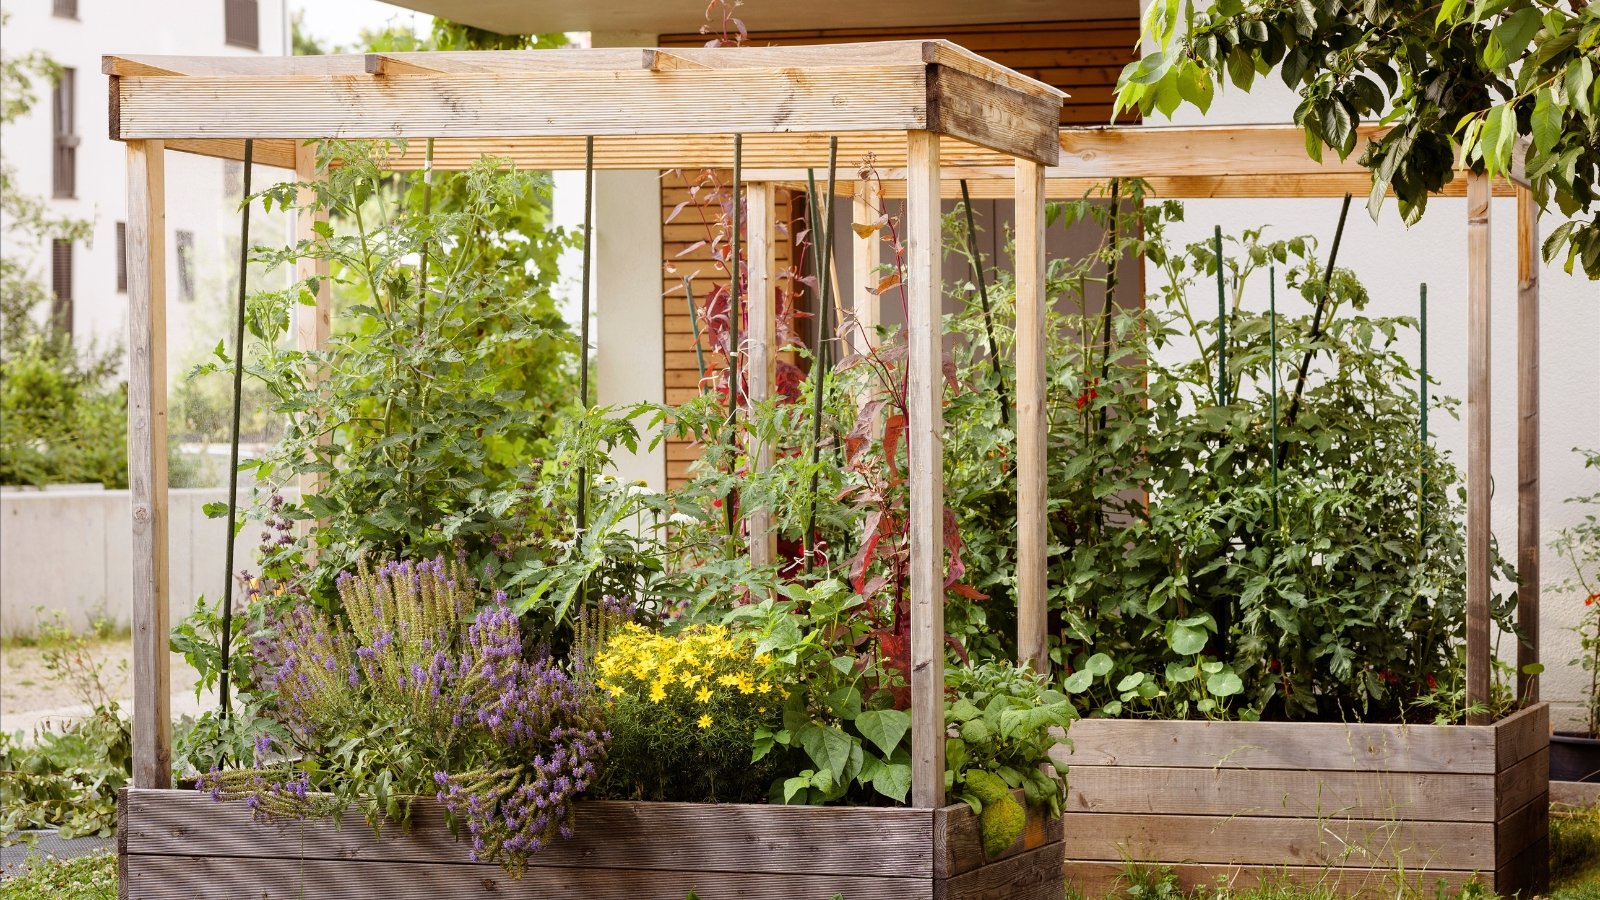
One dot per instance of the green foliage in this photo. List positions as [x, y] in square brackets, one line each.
[1580, 545]
[1184, 581]
[1574, 849]
[683, 714]
[843, 737]
[68, 778]
[91, 877]
[448, 374]
[63, 417]
[1453, 79]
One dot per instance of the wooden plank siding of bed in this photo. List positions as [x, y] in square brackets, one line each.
[1082, 58]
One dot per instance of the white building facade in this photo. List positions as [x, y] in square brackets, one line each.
[61, 151]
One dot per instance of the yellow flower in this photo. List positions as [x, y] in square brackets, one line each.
[705, 721]
[704, 696]
[657, 693]
[764, 687]
[746, 685]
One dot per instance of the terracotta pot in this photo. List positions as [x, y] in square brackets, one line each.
[1574, 757]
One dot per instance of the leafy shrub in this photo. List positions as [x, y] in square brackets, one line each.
[684, 713]
[90, 877]
[68, 779]
[844, 736]
[414, 696]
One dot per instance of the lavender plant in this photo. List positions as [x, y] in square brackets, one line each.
[414, 695]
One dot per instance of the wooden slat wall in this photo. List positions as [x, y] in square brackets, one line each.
[683, 375]
[1082, 58]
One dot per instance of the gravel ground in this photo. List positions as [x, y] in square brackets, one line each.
[30, 697]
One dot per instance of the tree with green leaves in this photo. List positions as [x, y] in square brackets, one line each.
[62, 415]
[1454, 81]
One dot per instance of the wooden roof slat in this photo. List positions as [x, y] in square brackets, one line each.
[150, 66]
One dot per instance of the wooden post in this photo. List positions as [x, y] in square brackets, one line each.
[925, 448]
[1032, 423]
[1528, 537]
[865, 262]
[762, 324]
[1479, 571]
[311, 323]
[147, 461]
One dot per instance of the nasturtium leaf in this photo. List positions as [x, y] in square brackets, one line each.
[1186, 640]
[1078, 682]
[1098, 665]
[1224, 684]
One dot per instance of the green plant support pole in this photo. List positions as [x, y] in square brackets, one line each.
[1111, 289]
[1316, 323]
[224, 695]
[822, 236]
[734, 268]
[694, 324]
[1422, 414]
[583, 320]
[1272, 350]
[1222, 321]
[983, 299]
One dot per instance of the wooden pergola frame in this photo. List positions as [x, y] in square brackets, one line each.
[905, 102]
[926, 113]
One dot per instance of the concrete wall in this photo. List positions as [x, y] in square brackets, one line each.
[71, 551]
[1392, 260]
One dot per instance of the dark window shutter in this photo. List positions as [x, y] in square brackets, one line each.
[64, 116]
[122, 257]
[242, 23]
[184, 240]
[61, 286]
[65, 9]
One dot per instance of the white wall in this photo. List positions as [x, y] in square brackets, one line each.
[196, 199]
[1391, 260]
[628, 362]
[72, 551]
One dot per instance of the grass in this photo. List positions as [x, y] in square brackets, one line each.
[92, 877]
[1575, 853]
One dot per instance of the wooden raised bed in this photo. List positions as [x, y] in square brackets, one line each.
[182, 844]
[1361, 807]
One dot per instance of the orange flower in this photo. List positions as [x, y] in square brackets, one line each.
[1589, 600]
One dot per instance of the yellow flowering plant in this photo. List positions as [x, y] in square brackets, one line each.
[684, 710]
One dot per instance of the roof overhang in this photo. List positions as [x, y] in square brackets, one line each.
[685, 16]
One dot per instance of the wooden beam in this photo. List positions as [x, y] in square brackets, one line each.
[925, 449]
[312, 324]
[278, 153]
[866, 257]
[666, 61]
[1529, 539]
[761, 266]
[1032, 422]
[147, 462]
[990, 115]
[386, 64]
[148, 65]
[572, 103]
[1479, 473]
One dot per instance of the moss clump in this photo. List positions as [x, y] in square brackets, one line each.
[1003, 818]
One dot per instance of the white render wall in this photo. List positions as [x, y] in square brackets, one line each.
[196, 199]
[1391, 260]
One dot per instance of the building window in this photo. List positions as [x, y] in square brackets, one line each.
[61, 286]
[65, 9]
[185, 244]
[241, 23]
[122, 257]
[65, 118]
